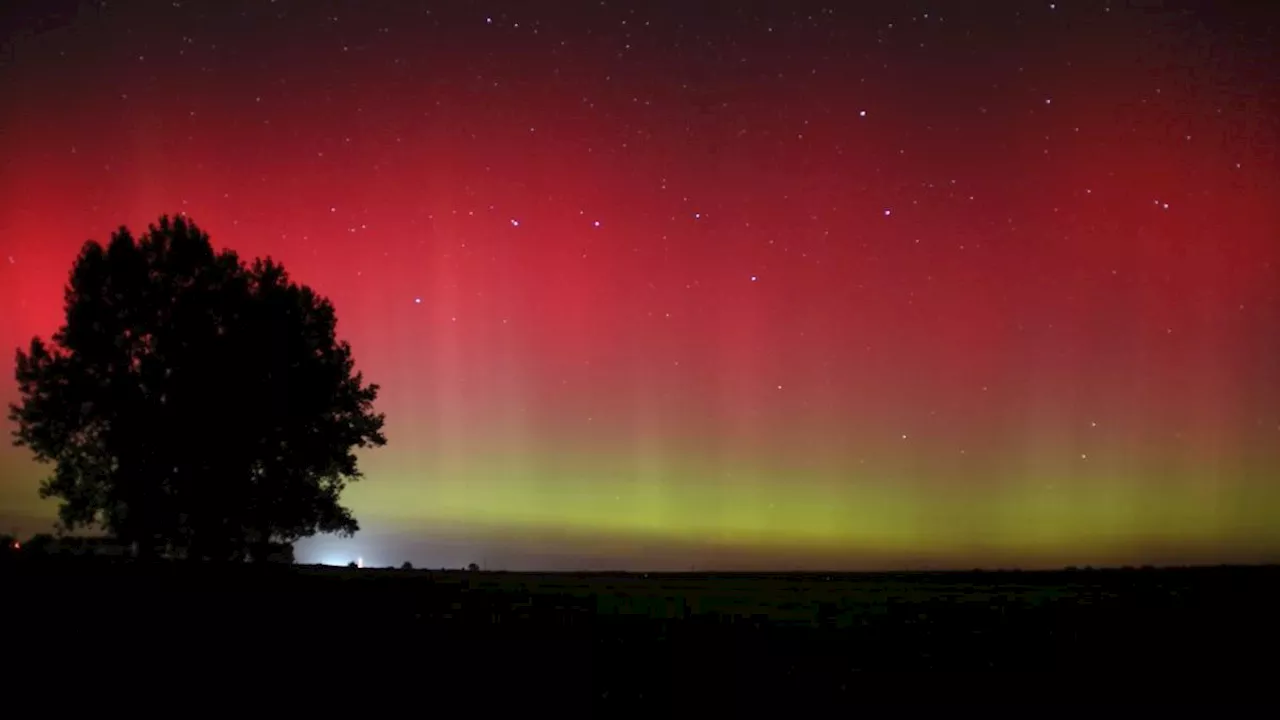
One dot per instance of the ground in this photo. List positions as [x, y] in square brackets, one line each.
[606, 643]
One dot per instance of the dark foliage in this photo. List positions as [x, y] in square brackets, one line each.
[40, 544]
[194, 400]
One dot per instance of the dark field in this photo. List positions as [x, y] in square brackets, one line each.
[661, 645]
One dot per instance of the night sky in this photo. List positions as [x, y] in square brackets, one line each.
[690, 284]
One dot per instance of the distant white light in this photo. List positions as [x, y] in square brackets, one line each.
[515, 222]
[888, 212]
[359, 562]
[596, 223]
[862, 113]
[417, 301]
[754, 278]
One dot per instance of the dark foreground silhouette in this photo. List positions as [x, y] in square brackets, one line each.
[665, 645]
[193, 403]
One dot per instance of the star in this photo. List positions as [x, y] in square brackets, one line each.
[875, 325]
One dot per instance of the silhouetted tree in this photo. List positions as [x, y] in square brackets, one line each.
[40, 544]
[276, 552]
[406, 565]
[193, 399]
[473, 567]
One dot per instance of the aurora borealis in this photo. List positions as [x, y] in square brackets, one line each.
[660, 284]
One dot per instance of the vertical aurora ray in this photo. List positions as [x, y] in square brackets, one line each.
[865, 290]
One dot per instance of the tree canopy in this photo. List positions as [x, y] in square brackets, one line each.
[194, 400]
